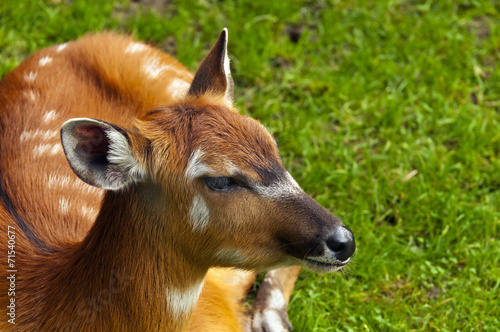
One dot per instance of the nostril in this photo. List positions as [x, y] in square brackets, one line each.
[341, 242]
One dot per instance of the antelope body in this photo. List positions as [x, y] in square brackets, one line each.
[175, 182]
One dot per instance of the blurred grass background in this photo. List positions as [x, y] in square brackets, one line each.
[386, 112]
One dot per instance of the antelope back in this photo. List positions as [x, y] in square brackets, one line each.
[108, 77]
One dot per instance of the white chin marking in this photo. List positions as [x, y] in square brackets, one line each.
[199, 214]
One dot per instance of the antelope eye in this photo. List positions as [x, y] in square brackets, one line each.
[220, 183]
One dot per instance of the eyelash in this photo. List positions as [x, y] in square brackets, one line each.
[222, 184]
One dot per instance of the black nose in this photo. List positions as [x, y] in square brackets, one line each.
[341, 242]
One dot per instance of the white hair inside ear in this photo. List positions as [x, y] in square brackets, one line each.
[100, 153]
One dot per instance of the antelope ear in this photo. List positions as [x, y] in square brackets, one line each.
[100, 153]
[214, 74]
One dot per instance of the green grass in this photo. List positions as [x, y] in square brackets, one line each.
[370, 92]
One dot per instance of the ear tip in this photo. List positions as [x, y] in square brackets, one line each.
[224, 34]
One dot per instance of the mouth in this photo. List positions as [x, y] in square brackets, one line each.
[323, 267]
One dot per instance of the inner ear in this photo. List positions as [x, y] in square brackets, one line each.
[93, 144]
[100, 153]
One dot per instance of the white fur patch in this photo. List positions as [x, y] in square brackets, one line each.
[55, 149]
[286, 188]
[56, 180]
[182, 302]
[195, 167]
[121, 154]
[135, 48]
[63, 205]
[274, 321]
[199, 214]
[61, 47]
[276, 299]
[31, 94]
[45, 61]
[88, 212]
[154, 67]
[47, 149]
[38, 134]
[30, 77]
[269, 320]
[178, 88]
[50, 116]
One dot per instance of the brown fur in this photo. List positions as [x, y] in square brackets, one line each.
[112, 271]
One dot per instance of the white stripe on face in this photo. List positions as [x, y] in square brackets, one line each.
[280, 189]
[196, 167]
[199, 214]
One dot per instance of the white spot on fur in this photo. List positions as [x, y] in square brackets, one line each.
[45, 61]
[63, 205]
[153, 68]
[182, 302]
[286, 188]
[56, 149]
[56, 180]
[31, 94]
[199, 214]
[121, 154]
[178, 88]
[41, 150]
[38, 134]
[61, 47]
[195, 167]
[50, 116]
[135, 47]
[88, 212]
[30, 77]
[47, 149]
